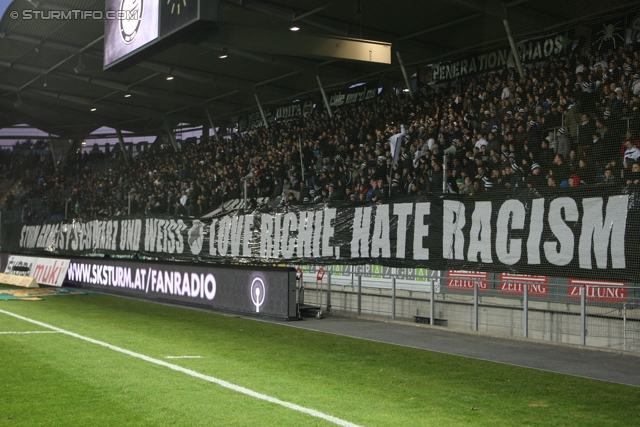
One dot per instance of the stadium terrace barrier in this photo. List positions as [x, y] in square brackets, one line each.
[565, 233]
[595, 313]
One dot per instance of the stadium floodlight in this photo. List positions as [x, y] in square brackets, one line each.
[169, 78]
[127, 95]
[93, 109]
[223, 56]
[18, 102]
[294, 28]
[80, 67]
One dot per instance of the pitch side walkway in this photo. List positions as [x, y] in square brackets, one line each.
[566, 359]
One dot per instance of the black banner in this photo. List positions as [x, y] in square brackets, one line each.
[353, 95]
[281, 112]
[564, 233]
[255, 291]
[528, 50]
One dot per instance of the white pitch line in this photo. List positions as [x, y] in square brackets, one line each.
[183, 357]
[29, 332]
[194, 374]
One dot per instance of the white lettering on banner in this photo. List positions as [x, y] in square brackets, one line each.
[500, 58]
[536, 226]
[380, 243]
[289, 228]
[480, 235]
[510, 217]
[266, 236]
[277, 233]
[246, 235]
[402, 211]
[361, 230]
[561, 252]
[317, 234]
[236, 234]
[305, 234]
[289, 111]
[328, 232]
[453, 222]
[603, 234]
[212, 237]
[420, 230]
[338, 99]
[164, 236]
[224, 230]
[130, 235]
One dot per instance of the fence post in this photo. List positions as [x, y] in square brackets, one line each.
[525, 314]
[475, 305]
[624, 326]
[359, 294]
[432, 303]
[583, 315]
[393, 298]
[329, 291]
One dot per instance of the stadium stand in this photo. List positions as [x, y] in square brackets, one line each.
[569, 121]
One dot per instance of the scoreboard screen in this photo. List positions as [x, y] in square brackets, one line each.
[135, 29]
[176, 14]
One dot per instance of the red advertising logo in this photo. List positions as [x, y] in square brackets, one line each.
[320, 274]
[514, 284]
[466, 280]
[598, 290]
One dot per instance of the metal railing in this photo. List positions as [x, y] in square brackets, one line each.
[598, 315]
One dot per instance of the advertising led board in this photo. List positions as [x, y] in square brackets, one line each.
[248, 290]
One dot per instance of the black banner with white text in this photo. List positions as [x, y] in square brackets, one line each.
[563, 233]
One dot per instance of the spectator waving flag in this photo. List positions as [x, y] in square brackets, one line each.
[395, 142]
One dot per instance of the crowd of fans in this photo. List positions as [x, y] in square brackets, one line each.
[569, 121]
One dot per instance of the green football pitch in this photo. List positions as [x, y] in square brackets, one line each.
[97, 360]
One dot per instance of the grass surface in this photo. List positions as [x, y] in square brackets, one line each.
[58, 380]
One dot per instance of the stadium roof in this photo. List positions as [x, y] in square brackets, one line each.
[51, 73]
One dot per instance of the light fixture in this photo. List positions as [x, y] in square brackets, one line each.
[93, 108]
[84, 143]
[45, 81]
[405, 89]
[294, 28]
[169, 77]
[127, 95]
[80, 67]
[223, 55]
[18, 102]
